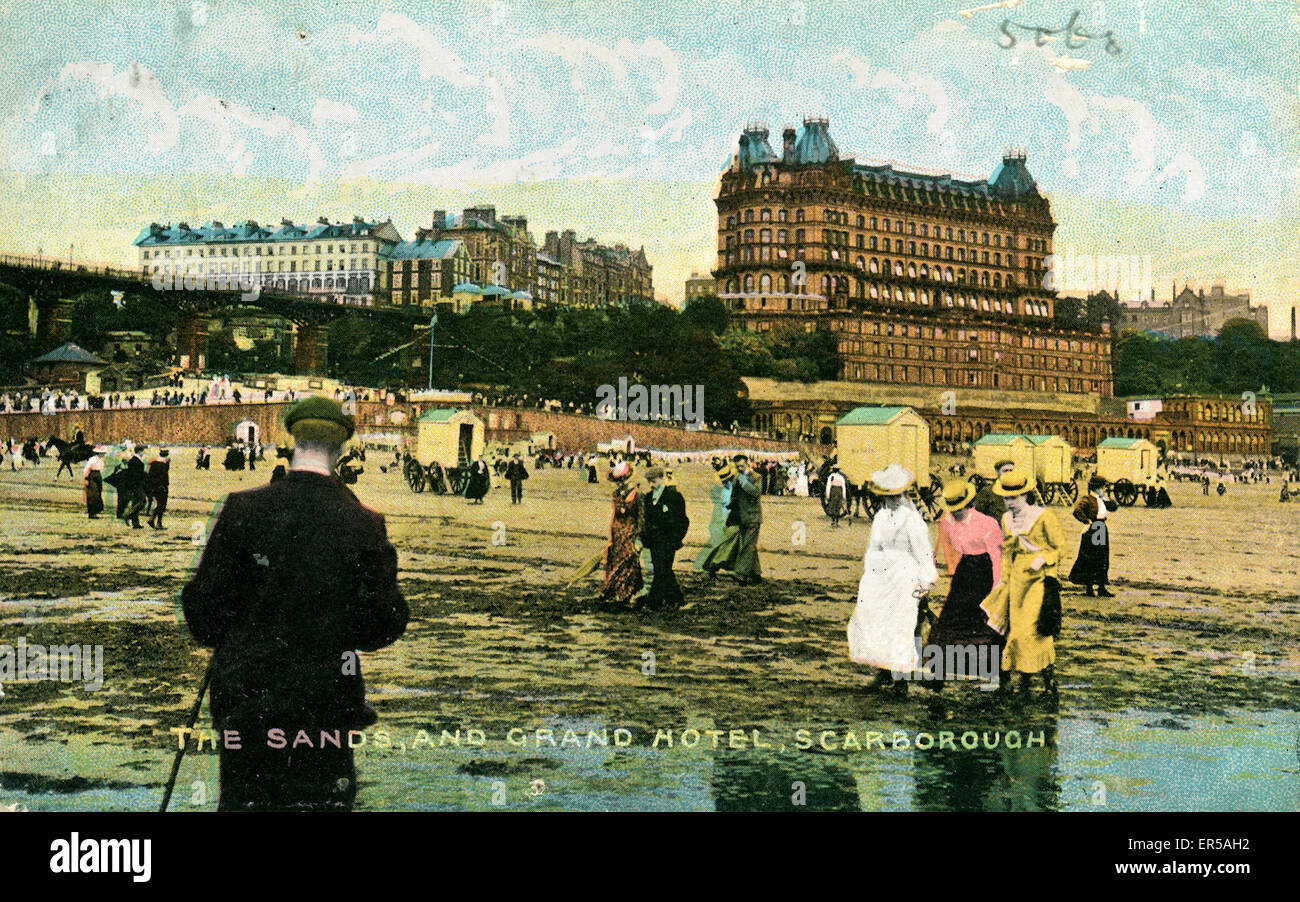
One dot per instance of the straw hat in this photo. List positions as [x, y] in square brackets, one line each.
[726, 471]
[957, 494]
[1014, 482]
[893, 480]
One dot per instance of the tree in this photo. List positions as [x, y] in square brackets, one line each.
[707, 311]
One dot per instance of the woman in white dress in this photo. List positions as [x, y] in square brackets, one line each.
[801, 481]
[897, 568]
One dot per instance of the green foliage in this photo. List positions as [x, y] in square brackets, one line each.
[708, 312]
[788, 354]
[1241, 358]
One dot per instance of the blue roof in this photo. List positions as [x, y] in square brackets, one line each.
[814, 144]
[438, 414]
[183, 234]
[869, 416]
[467, 288]
[1000, 438]
[1011, 179]
[495, 290]
[68, 353]
[425, 250]
[1117, 442]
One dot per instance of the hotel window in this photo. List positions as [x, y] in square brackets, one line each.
[781, 236]
[898, 225]
[985, 258]
[986, 237]
[911, 270]
[872, 243]
[874, 223]
[898, 245]
[911, 228]
[766, 216]
[961, 234]
[948, 252]
[749, 216]
[749, 236]
[859, 220]
[911, 247]
[781, 215]
[798, 236]
[884, 225]
[798, 215]
[859, 241]
[765, 236]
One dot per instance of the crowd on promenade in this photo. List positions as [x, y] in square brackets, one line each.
[217, 390]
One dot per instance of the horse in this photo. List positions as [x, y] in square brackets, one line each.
[69, 454]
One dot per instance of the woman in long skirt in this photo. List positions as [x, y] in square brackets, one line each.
[1092, 566]
[897, 569]
[720, 495]
[623, 554]
[971, 543]
[93, 474]
[480, 480]
[836, 494]
[1031, 554]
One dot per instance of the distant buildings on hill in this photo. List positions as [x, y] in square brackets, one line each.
[475, 257]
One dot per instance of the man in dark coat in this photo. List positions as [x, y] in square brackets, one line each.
[296, 577]
[988, 503]
[516, 473]
[133, 485]
[662, 532]
[159, 486]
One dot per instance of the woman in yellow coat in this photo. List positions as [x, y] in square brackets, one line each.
[1031, 553]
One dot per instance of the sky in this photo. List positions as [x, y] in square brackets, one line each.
[1180, 139]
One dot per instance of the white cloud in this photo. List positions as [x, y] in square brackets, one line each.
[435, 59]
[134, 83]
[327, 110]
[227, 117]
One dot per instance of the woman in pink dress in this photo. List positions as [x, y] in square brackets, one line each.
[971, 544]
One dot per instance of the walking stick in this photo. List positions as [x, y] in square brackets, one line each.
[180, 752]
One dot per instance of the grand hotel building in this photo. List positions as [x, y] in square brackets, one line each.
[925, 280]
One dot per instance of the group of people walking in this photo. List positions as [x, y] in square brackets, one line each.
[1003, 602]
[140, 488]
[652, 519]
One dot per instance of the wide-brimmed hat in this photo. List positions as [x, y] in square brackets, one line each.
[957, 494]
[1003, 463]
[726, 471]
[1095, 483]
[620, 470]
[317, 418]
[892, 480]
[1015, 482]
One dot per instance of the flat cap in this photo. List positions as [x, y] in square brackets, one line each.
[317, 418]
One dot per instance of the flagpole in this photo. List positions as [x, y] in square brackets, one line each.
[433, 321]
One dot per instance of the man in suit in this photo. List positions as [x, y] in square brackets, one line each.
[134, 487]
[989, 503]
[159, 486]
[296, 576]
[662, 532]
[746, 513]
[516, 473]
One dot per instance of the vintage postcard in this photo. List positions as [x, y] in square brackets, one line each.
[661, 406]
